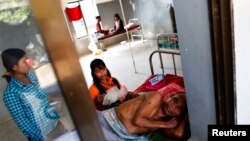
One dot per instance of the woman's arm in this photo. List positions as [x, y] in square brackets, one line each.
[95, 95]
[94, 92]
[118, 25]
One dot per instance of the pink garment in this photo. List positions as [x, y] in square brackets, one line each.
[158, 81]
[170, 88]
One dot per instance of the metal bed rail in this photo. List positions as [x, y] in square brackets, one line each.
[172, 52]
[166, 40]
[138, 32]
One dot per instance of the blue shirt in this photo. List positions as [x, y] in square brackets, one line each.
[30, 109]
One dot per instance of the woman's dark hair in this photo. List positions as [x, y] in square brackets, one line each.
[10, 58]
[117, 16]
[98, 63]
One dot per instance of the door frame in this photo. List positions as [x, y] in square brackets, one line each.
[222, 41]
[65, 62]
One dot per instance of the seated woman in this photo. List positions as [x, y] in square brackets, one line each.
[106, 91]
[118, 24]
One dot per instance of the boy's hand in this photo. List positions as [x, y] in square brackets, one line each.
[99, 98]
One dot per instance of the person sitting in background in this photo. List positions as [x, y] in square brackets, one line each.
[98, 26]
[118, 24]
[106, 91]
[27, 101]
[147, 113]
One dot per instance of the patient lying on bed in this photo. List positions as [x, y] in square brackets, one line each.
[144, 114]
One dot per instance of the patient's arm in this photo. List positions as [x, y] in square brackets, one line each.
[144, 116]
[177, 132]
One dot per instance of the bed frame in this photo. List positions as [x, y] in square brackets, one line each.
[172, 52]
[167, 40]
[168, 44]
[134, 30]
[138, 32]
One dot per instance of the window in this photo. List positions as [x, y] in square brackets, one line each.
[88, 11]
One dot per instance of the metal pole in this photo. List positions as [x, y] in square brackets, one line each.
[124, 19]
[175, 72]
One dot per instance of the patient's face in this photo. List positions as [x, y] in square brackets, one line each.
[174, 104]
[101, 73]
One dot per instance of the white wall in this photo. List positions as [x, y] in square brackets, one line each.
[242, 57]
[80, 44]
[153, 15]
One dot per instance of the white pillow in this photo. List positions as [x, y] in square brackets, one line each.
[128, 25]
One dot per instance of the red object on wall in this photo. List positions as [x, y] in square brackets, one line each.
[75, 13]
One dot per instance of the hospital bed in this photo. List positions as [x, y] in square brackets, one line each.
[135, 33]
[168, 41]
[164, 83]
[133, 27]
[158, 81]
[171, 52]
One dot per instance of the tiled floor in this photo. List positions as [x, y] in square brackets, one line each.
[118, 59]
